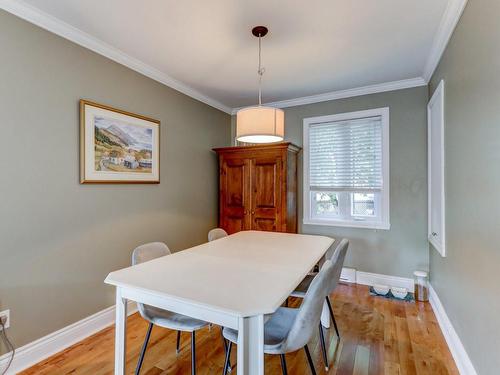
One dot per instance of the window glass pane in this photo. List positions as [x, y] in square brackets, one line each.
[325, 203]
[346, 154]
[363, 204]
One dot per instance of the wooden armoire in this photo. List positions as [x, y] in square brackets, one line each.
[258, 187]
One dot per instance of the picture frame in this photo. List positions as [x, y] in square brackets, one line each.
[117, 147]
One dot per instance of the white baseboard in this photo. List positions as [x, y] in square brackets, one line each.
[38, 350]
[457, 350]
[348, 275]
[366, 278]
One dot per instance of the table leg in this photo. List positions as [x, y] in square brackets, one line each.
[120, 333]
[325, 316]
[251, 346]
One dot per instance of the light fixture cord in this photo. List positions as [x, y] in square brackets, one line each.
[260, 71]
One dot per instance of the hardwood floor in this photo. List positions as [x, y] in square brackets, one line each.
[378, 337]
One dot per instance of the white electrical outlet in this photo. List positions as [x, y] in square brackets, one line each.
[5, 317]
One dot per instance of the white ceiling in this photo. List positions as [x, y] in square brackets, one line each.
[205, 48]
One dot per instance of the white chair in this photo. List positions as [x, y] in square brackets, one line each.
[163, 318]
[289, 330]
[216, 233]
[337, 258]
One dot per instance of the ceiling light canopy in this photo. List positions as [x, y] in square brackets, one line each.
[260, 124]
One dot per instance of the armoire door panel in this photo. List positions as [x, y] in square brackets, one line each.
[268, 225]
[265, 184]
[233, 224]
[235, 184]
[235, 192]
[266, 193]
[266, 212]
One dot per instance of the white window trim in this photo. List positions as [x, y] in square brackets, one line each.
[384, 223]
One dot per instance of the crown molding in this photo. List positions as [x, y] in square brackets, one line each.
[349, 93]
[63, 29]
[451, 16]
[35, 16]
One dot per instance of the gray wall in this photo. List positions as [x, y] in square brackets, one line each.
[59, 239]
[467, 280]
[404, 248]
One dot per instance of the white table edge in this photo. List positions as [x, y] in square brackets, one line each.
[179, 300]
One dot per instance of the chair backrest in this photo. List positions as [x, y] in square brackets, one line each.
[144, 253]
[216, 233]
[337, 259]
[309, 315]
[149, 251]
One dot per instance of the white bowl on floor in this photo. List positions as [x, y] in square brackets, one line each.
[381, 289]
[399, 293]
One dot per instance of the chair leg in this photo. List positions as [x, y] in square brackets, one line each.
[333, 316]
[323, 346]
[223, 340]
[228, 355]
[143, 350]
[225, 349]
[283, 364]
[193, 354]
[178, 342]
[309, 359]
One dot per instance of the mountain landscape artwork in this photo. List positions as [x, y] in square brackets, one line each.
[117, 146]
[122, 147]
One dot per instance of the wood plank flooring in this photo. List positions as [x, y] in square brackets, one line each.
[378, 337]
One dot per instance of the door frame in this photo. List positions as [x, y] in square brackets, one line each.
[438, 95]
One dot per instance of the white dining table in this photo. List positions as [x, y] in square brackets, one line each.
[233, 282]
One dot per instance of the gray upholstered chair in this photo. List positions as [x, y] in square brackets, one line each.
[337, 257]
[288, 329]
[216, 233]
[159, 317]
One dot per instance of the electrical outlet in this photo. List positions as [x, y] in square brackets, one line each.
[5, 317]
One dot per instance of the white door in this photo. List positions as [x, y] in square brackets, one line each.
[435, 131]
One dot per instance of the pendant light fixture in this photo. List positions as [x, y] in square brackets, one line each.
[260, 124]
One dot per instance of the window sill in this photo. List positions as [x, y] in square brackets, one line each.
[348, 224]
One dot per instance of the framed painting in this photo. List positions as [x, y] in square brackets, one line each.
[118, 146]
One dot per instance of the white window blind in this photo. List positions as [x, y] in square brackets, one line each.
[346, 155]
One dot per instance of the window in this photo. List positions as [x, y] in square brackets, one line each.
[346, 169]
